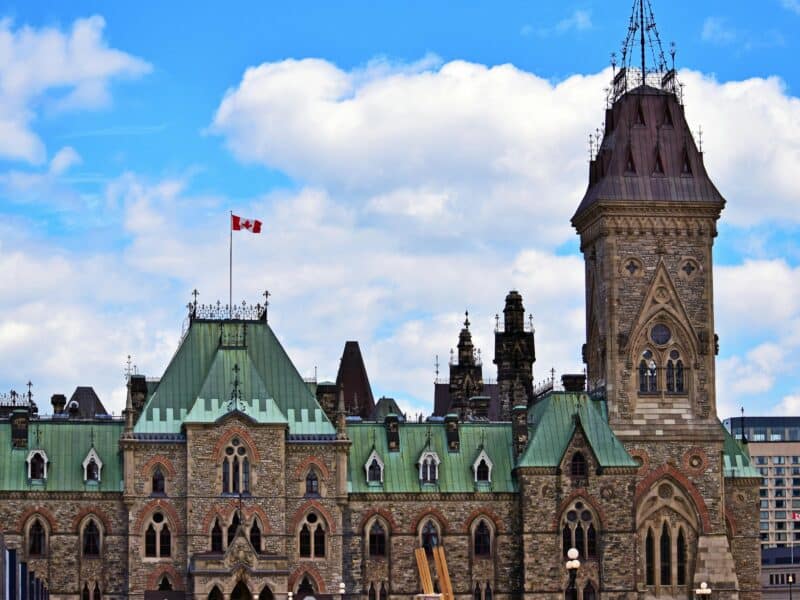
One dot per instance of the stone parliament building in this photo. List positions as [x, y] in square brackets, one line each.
[230, 477]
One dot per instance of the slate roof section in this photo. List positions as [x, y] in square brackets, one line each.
[401, 473]
[648, 126]
[386, 406]
[202, 370]
[736, 458]
[552, 424]
[89, 405]
[352, 379]
[66, 444]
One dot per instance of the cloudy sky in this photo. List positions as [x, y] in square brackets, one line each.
[409, 161]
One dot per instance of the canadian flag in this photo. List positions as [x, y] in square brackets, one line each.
[795, 516]
[251, 225]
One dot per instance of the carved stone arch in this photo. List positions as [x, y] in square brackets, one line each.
[667, 495]
[589, 501]
[302, 468]
[171, 574]
[313, 506]
[158, 460]
[430, 513]
[369, 517]
[79, 522]
[244, 436]
[297, 576]
[45, 516]
[169, 514]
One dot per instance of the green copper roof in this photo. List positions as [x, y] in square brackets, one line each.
[552, 424]
[401, 473]
[199, 381]
[66, 444]
[735, 458]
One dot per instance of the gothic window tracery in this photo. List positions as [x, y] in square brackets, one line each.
[429, 536]
[91, 539]
[377, 540]
[255, 536]
[235, 468]
[92, 466]
[37, 538]
[312, 483]
[482, 468]
[157, 537]
[482, 540]
[157, 483]
[429, 467]
[216, 537]
[374, 468]
[37, 465]
[312, 537]
[579, 530]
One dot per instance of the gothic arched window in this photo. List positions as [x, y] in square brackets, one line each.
[97, 594]
[92, 471]
[429, 536]
[589, 592]
[681, 557]
[648, 373]
[86, 594]
[371, 595]
[255, 536]
[216, 537]
[37, 539]
[384, 592]
[578, 530]
[233, 527]
[476, 594]
[650, 558]
[482, 472]
[38, 466]
[429, 467]
[157, 482]
[675, 374]
[235, 468]
[487, 593]
[377, 540]
[91, 539]
[312, 537]
[374, 472]
[157, 537]
[578, 466]
[482, 540]
[666, 555]
[215, 594]
[312, 483]
[165, 585]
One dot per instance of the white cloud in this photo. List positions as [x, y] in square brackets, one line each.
[63, 160]
[792, 5]
[579, 20]
[717, 31]
[55, 70]
[788, 406]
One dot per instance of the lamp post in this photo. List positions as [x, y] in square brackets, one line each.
[790, 581]
[703, 591]
[341, 590]
[573, 564]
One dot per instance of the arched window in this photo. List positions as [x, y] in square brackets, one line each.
[482, 472]
[165, 585]
[374, 472]
[591, 541]
[679, 385]
[372, 595]
[476, 594]
[86, 594]
[430, 536]
[377, 540]
[91, 539]
[158, 486]
[648, 373]
[235, 468]
[215, 594]
[482, 540]
[578, 530]
[157, 537]
[37, 542]
[312, 484]
[666, 556]
[255, 536]
[650, 558]
[233, 527]
[266, 594]
[487, 593]
[429, 468]
[312, 537]
[305, 588]
[97, 594]
[92, 471]
[681, 557]
[37, 466]
[216, 537]
[588, 591]
[578, 467]
[384, 592]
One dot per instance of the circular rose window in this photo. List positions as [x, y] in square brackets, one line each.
[660, 334]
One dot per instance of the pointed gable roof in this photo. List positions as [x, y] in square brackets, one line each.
[353, 381]
[553, 424]
[640, 121]
[199, 380]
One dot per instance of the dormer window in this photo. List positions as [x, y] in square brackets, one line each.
[37, 465]
[374, 468]
[482, 468]
[92, 466]
[429, 467]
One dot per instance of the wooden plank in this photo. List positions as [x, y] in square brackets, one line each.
[441, 571]
[424, 571]
[446, 572]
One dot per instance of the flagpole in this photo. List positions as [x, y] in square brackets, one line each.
[230, 267]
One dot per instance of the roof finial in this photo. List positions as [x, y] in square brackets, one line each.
[30, 394]
[466, 319]
[436, 364]
[236, 395]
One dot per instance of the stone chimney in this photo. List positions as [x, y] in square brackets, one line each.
[59, 401]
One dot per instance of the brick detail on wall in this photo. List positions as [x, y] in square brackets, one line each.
[95, 512]
[297, 576]
[302, 468]
[147, 469]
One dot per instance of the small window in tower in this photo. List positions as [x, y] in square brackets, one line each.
[686, 168]
[640, 115]
[659, 168]
[630, 165]
[667, 115]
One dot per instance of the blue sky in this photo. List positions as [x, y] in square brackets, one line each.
[425, 161]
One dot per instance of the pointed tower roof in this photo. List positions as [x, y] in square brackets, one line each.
[647, 153]
[352, 379]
